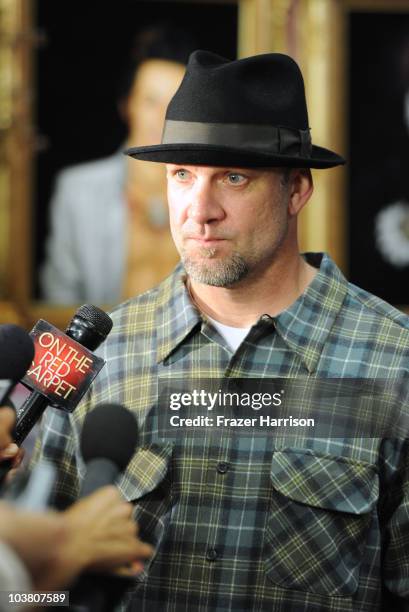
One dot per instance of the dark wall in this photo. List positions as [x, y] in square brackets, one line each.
[379, 144]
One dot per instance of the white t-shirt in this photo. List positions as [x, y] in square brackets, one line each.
[234, 336]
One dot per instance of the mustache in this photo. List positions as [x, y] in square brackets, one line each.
[204, 236]
[197, 231]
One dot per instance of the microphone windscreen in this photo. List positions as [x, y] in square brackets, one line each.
[89, 326]
[16, 352]
[101, 321]
[110, 431]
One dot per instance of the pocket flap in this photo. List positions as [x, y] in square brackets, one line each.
[325, 481]
[146, 470]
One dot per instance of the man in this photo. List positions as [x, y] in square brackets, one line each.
[252, 521]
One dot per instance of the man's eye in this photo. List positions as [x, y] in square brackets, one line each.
[236, 179]
[182, 175]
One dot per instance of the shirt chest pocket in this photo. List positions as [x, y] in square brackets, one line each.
[318, 522]
[147, 483]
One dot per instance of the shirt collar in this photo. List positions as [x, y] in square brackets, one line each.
[176, 316]
[304, 326]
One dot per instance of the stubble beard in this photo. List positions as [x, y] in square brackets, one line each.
[220, 273]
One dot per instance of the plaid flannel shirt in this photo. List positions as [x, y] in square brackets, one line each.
[256, 522]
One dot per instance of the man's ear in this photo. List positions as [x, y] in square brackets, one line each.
[300, 190]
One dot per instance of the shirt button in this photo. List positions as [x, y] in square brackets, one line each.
[222, 467]
[212, 554]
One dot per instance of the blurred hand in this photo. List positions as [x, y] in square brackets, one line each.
[14, 453]
[7, 422]
[97, 533]
[104, 534]
[9, 450]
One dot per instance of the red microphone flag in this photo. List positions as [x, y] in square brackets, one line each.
[62, 369]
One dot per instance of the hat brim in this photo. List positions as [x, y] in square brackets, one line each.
[218, 155]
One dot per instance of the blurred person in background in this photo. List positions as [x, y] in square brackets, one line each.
[109, 216]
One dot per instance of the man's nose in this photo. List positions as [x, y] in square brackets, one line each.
[204, 204]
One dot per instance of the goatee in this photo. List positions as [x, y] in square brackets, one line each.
[220, 273]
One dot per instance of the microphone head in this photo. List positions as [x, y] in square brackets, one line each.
[96, 317]
[16, 352]
[110, 431]
[89, 326]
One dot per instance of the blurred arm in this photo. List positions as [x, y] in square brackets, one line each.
[97, 533]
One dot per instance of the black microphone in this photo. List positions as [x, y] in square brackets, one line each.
[89, 327]
[108, 441]
[16, 355]
[63, 368]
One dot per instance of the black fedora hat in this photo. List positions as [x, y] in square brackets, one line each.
[250, 112]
